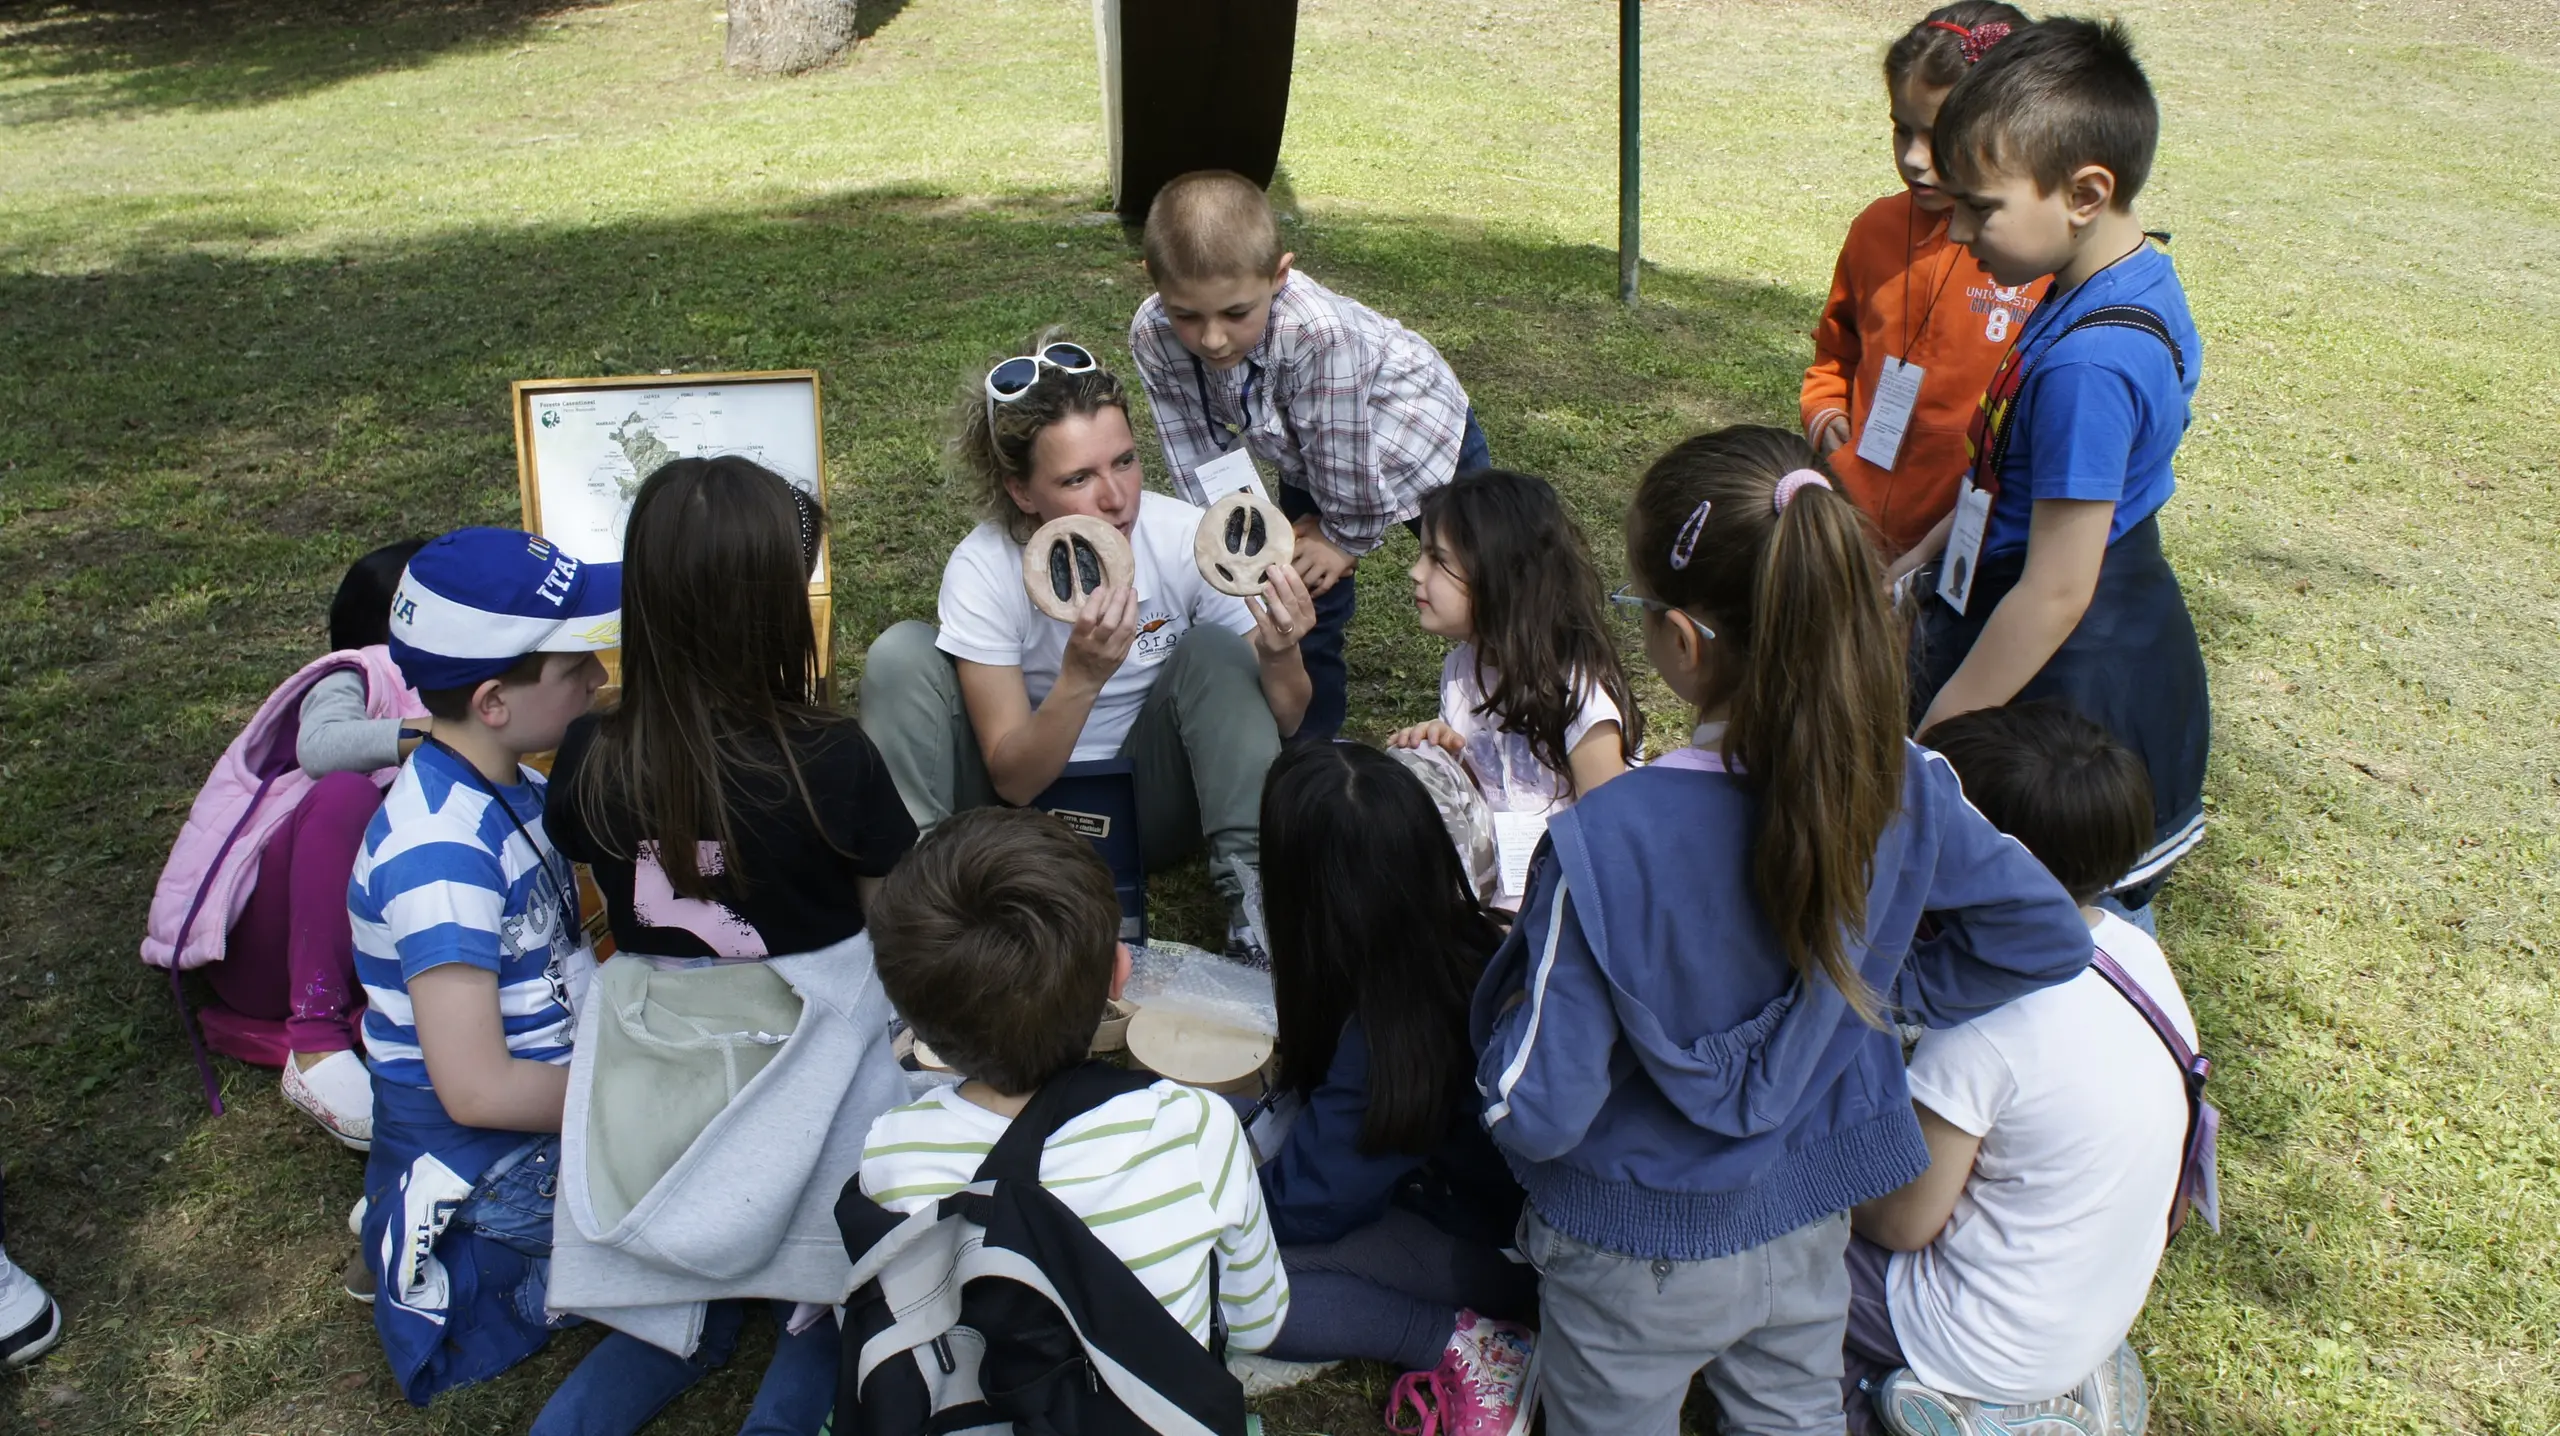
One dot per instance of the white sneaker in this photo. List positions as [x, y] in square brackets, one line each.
[30, 1321]
[2117, 1395]
[337, 1093]
[1909, 1408]
[1264, 1375]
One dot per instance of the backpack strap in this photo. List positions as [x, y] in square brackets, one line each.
[2129, 316]
[1060, 1100]
[2105, 316]
[2198, 1184]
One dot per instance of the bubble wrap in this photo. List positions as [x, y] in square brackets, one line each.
[1181, 978]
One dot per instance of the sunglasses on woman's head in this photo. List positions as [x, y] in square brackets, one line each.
[1014, 377]
[1625, 596]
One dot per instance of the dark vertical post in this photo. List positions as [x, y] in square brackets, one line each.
[1630, 146]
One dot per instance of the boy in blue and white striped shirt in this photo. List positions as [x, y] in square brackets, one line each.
[468, 945]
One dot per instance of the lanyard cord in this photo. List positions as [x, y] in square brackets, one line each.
[550, 878]
[1244, 401]
[1910, 244]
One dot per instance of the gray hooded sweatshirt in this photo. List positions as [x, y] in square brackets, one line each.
[714, 1114]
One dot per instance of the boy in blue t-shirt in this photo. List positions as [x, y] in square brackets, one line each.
[468, 945]
[2052, 583]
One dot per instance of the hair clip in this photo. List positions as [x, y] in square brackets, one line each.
[1976, 42]
[1797, 479]
[1686, 543]
[807, 508]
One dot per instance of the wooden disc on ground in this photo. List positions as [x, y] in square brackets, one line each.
[1071, 557]
[1241, 539]
[1112, 1034]
[1199, 1052]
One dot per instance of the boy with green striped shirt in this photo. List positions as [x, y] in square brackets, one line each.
[998, 940]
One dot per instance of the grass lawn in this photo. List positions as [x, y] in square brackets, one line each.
[266, 268]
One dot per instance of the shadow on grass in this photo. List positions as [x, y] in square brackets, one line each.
[193, 446]
[108, 56]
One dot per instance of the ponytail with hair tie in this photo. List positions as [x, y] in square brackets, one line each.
[1810, 669]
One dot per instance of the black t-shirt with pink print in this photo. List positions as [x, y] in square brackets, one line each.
[788, 888]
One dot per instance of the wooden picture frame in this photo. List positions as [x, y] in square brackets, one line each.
[583, 446]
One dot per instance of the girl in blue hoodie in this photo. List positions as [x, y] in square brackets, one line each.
[1684, 1052]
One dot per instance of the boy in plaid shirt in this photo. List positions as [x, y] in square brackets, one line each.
[1359, 416]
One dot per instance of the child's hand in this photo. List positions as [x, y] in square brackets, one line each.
[1830, 430]
[1319, 561]
[1434, 731]
[1283, 615]
[1106, 624]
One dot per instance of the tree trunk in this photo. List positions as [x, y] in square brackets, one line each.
[784, 37]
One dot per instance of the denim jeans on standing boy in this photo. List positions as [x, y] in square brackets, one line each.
[1321, 649]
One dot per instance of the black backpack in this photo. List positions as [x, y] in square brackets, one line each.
[999, 1307]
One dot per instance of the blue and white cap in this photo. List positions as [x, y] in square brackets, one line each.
[476, 600]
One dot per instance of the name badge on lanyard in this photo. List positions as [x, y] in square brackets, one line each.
[1897, 393]
[1229, 472]
[1964, 545]
[1989, 440]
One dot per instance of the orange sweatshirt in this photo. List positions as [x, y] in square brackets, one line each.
[1898, 273]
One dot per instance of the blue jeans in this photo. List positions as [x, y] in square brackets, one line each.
[1321, 649]
[2142, 917]
[625, 1382]
[511, 1206]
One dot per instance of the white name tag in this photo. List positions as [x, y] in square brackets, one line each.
[1897, 391]
[1229, 472]
[1964, 545]
[1515, 841]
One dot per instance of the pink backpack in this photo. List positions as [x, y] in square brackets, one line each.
[213, 866]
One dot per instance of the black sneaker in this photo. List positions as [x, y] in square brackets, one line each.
[359, 1281]
[33, 1339]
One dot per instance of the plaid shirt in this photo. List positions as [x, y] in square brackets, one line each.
[1354, 408]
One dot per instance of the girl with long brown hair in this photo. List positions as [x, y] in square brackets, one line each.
[1532, 700]
[1682, 1042]
[736, 824]
[726, 807]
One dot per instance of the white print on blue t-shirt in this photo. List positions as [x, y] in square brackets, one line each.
[445, 876]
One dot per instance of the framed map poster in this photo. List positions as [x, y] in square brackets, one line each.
[584, 445]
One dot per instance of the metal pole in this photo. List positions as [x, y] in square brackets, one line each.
[1630, 146]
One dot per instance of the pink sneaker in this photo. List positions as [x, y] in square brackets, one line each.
[1485, 1385]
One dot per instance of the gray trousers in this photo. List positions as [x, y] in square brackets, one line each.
[1198, 752]
[1621, 1336]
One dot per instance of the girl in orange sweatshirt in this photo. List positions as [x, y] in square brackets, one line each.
[1903, 299]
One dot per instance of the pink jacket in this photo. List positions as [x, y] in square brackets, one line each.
[213, 866]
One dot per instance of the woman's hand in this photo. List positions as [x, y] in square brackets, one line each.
[1434, 731]
[1282, 616]
[1106, 624]
[1830, 431]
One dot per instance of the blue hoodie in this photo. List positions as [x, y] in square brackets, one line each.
[1662, 1081]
